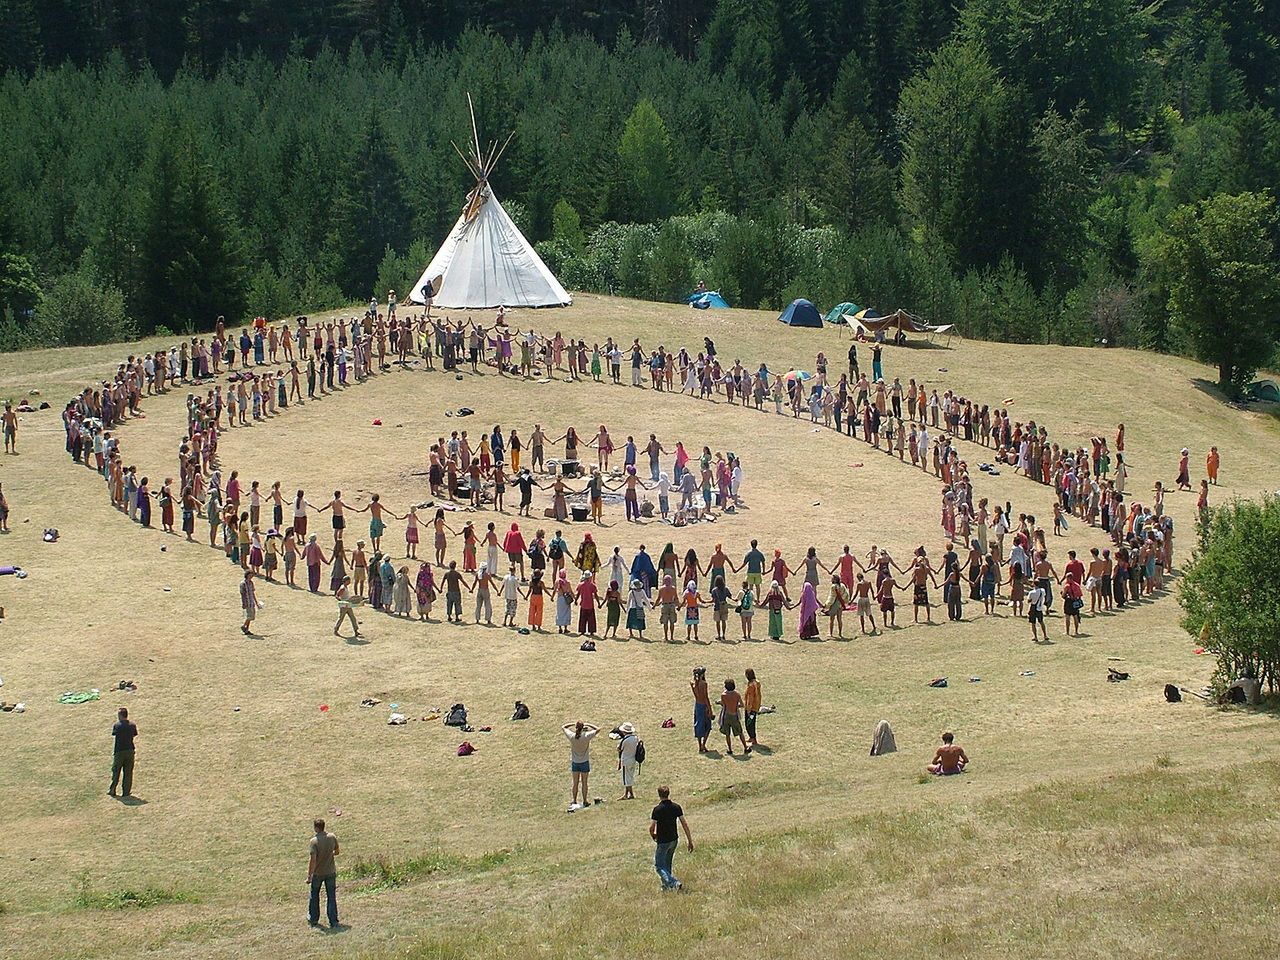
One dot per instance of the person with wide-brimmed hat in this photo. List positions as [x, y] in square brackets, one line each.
[628, 761]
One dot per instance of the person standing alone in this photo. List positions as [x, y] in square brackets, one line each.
[322, 872]
[662, 828]
[124, 731]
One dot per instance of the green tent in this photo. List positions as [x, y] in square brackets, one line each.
[840, 311]
[1264, 390]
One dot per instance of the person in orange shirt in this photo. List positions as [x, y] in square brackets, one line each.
[1211, 462]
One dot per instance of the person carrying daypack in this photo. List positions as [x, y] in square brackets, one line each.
[630, 755]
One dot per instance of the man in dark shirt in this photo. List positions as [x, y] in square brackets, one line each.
[525, 482]
[662, 828]
[124, 732]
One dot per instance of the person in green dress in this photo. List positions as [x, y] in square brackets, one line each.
[613, 609]
[776, 601]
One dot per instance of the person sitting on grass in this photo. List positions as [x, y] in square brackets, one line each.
[949, 759]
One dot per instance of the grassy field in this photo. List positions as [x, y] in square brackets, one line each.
[1096, 820]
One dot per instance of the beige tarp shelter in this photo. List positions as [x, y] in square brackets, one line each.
[868, 323]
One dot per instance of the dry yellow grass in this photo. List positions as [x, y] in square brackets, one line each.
[1067, 831]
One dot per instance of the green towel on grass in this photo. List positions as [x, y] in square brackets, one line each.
[81, 696]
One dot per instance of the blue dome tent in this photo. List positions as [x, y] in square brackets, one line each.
[706, 301]
[801, 313]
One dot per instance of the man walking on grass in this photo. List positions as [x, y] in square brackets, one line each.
[124, 731]
[322, 872]
[662, 828]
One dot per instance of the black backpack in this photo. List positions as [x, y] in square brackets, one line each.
[1172, 693]
[521, 712]
[640, 752]
[456, 717]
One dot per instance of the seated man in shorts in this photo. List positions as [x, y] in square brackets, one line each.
[949, 759]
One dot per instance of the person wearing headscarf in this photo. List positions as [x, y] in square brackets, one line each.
[481, 586]
[643, 571]
[564, 603]
[400, 593]
[780, 572]
[513, 546]
[375, 579]
[775, 601]
[588, 559]
[388, 573]
[637, 604]
[692, 603]
[808, 612]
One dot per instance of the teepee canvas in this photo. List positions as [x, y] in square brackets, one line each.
[486, 261]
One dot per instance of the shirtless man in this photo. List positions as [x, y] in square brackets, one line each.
[949, 758]
[1045, 576]
[339, 520]
[862, 598]
[632, 484]
[666, 603]
[1098, 568]
[921, 573]
[10, 429]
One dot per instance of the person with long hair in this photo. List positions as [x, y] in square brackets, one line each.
[579, 734]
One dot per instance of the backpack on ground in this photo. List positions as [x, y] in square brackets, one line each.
[521, 712]
[456, 717]
[1172, 693]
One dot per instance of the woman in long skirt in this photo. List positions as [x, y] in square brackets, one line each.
[400, 592]
[426, 591]
[775, 602]
[375, 581]
[564, 604]
[808, 612]
[338, 570]
[637, 604]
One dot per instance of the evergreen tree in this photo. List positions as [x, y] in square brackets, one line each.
[966, 174]
[190, 263]
[20, 46]
[857, 186]
[1065, 53]
[370, 210]
[647, 184]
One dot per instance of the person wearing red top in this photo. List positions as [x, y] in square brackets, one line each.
[514, 546]
[1074, 570]
[587, 593]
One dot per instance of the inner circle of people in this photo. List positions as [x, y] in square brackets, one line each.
[504, 561]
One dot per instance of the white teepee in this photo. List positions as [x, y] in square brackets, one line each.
[486, 261]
